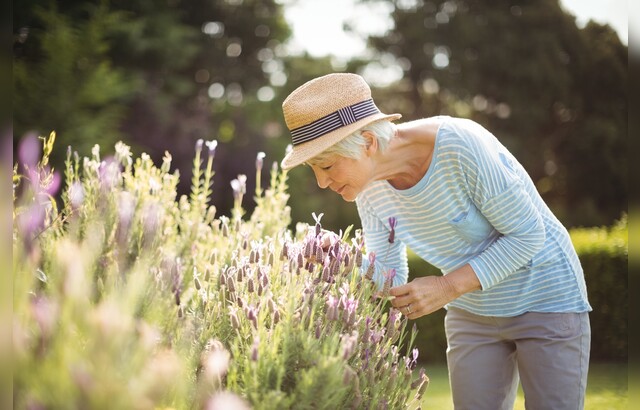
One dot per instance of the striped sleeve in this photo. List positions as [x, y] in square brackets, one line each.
[387, 255]
[522, 236]
[499, 193]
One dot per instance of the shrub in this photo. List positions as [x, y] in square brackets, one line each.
[128, 297]
[603, 252]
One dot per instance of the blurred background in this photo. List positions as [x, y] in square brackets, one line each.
[549, 82]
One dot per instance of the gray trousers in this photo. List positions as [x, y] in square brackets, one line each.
[548, 352]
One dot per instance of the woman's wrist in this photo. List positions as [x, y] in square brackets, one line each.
[463, 280]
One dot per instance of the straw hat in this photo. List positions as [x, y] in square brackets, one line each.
[326, 110]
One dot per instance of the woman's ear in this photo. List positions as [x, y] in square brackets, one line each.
[371, 142]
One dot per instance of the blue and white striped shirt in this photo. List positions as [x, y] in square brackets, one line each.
[476, 204]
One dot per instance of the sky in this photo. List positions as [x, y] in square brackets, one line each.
[310, 17]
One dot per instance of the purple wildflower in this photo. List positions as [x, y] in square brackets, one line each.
[332, 308]
[371, 268]
[350, 311]
[252, 315]
[254, 349]
[388, 281]
[76, 195]
[29, 150]
[233, 317]
[393, 221]
[317, 218]
[349, 344]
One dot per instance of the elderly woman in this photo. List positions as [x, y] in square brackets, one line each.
[512, 283]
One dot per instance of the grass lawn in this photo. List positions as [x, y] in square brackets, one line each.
[607, 388]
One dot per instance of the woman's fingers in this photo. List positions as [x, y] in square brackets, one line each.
[401, 301]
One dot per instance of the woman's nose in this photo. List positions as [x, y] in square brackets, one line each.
[323, 179]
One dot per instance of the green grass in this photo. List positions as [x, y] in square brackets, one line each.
[607, 388]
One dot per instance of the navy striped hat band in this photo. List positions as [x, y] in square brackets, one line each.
[337, 119]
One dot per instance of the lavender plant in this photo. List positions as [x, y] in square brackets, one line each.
[129, 297]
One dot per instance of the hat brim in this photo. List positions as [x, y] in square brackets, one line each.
[301, 153]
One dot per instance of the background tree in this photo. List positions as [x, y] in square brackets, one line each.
[163, 75]
[530, 75]
[63, 77]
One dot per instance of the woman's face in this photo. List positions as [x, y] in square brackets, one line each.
[345, 176]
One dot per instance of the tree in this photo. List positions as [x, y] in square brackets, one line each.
[162, 75]
[64, 80]
[525, 71]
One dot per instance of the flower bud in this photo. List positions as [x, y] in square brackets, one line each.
[285, 251]
[260, 161]
[254, 349]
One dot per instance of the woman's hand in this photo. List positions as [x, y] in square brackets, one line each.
[427, 294]
[423, 295]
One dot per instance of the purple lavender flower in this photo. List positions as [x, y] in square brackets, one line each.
[350, 311]
[285, 251]
[29, 150]
[388, 281]
[76, 195]
[326, 274]
[414, 359]
[367, 355]
[367, 330]
[252, 315]
[110, 176]
[254, 349]
[349, 344]
[308, 248]
[393, 221]
[332, 308]
[32, 221]
[358, 257]
[319, 253]
[377, 335]
[318, 225]
[423, 382]
[371, 268]
[233, 317]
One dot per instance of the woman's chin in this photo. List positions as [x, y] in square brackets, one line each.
[348, 196]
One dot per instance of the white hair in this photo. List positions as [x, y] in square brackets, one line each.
[351, 146]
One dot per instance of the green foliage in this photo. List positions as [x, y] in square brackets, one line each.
[604, 256]
[64, 80]
[153, 64]
[603, 253]
[130, 297]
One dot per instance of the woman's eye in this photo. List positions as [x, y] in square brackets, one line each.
[326, 167]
